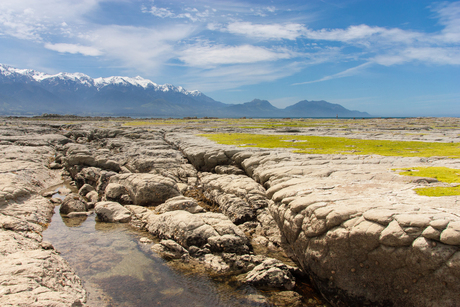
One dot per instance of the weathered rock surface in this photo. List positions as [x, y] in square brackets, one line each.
[238, 196]
[203, 154]
[210, 238]
[133, 166]
[31, 272]
[79, 154]
[351, 222]
[354, 225]
[38, 278]
[196, 229]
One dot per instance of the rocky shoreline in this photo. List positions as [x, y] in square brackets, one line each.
[350, 223]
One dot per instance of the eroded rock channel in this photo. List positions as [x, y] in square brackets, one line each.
[265, 220]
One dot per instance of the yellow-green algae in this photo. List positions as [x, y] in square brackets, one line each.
[339, 145]
[442, 174]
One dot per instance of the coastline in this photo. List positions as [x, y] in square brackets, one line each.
[350, 222]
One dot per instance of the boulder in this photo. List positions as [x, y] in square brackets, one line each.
[271, 274]
[180, 203]
[199, 229]
[242, 263]
[228, 243]
[85, 189]
[112, 212]
[147, 189]
[215, 263]
[115, 192]
[170, 249]
[86, 175]
[73, 203]
[93, 197]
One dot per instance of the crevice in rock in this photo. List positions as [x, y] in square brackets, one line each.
[197, 193]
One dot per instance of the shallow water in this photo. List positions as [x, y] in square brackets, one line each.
[117, 270]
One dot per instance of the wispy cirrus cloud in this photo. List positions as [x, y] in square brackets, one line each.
[365, 35]
[434, 55]
[140, 48]
[206, 55]
[346, 73]
[74, 49]
[34, 20]
[395, 46]
[237, 75]
[192, 14]
[289, 31]
[449, 16]
[263, 11]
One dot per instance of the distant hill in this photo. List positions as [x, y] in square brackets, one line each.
[29, 92]
[320, 109]
[255, 108]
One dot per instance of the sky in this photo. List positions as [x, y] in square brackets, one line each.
[384, 57]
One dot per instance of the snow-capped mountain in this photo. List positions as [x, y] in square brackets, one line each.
[85, 80]
[26, 91]
[29, 92]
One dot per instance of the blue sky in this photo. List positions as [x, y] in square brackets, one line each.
[388, 58]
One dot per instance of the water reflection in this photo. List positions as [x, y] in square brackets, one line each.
[74, 221]
[119, 271]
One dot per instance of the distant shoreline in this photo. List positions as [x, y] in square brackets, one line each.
[107, 117]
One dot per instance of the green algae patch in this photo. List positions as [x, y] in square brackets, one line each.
[339, 145]
[442, 174]
[438, 191]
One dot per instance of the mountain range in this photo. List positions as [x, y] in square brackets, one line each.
[29, 92]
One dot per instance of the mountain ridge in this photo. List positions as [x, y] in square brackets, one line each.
[30, 92]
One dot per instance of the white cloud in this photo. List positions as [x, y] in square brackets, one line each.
[360, 34]
[445, 55]
[30, 19]
[289, 31]
[449, 16]
[433, 55]
[352, 33]
[161, 12]
[262, 12]
[192, 14]
[140, 48]
[364, 35]
[73, 48]
[209, 56]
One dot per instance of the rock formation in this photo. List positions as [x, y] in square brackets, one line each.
[32, 273]
[354, 225]
[349, 222]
